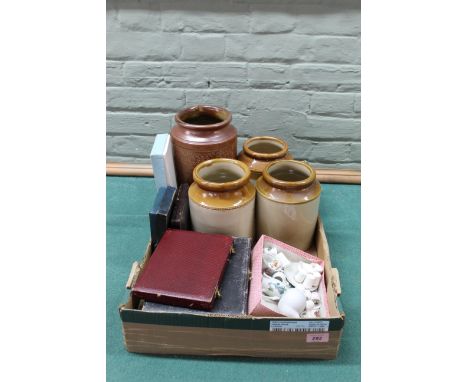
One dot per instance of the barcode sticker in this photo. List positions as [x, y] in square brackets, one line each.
[299, 326]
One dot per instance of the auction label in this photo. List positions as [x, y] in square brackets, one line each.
[317, 337]
[299, 326]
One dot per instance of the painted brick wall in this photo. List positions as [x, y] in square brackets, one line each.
[290, 70]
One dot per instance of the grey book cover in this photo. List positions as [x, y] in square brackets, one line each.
[234, 288]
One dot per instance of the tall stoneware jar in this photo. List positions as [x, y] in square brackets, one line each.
[200, 133]
[288, 197]
[222, 199]
[259, 151]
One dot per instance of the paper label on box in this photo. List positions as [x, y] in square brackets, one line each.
[317, 337]
[299, 326]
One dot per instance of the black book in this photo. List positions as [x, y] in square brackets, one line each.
[234, 288]
[180, 217]
[160, 213]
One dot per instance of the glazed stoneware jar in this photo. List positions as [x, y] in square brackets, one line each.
[258, 152]
[222, 199]
[288, 197]
[200, 133]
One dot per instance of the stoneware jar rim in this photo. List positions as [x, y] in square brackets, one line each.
[283, 184]
[276, 155]
[226, 186]
[217, 111]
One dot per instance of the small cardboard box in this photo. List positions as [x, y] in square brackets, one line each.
[257, 305]
[226, 335]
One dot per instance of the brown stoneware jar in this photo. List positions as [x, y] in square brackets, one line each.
[222, 199]
[260, 151]
[200, 133]
[288, 197]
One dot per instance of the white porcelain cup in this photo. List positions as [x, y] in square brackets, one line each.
[312, 280]
[310, 305]
[292, 303]
[272, 287]
[313, 296]
[280, 276]
[310, 267]
[313, 313]
[283, 259]
[300, 276]
[273, 266]
[270, 251]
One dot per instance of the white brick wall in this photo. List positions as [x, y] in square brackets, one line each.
[291, 70]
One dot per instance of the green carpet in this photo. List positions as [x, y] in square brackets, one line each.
[128, 202]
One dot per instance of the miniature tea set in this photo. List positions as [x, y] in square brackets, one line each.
[292, 285]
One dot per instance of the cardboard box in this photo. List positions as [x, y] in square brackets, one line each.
[258, 306]
[225, 335]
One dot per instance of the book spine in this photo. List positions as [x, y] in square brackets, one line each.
[159, 172]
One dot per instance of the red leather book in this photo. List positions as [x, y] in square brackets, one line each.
[185, 269]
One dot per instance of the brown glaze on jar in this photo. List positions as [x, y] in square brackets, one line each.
[201, 132]
[260, 151]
